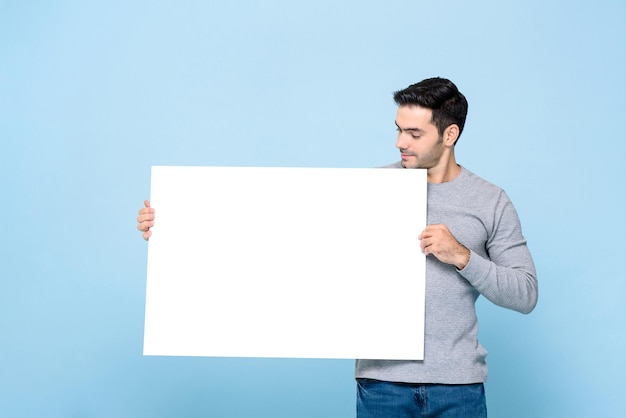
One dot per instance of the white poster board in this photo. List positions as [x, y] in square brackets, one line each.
[286, 262]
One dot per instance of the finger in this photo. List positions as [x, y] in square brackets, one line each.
[145, 217]
[147, 234]
[143, 211]
[426, 233]
[147, 208]
[144, 226]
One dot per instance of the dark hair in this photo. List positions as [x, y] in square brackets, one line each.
[447, 103]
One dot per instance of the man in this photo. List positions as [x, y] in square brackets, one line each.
[474, 246]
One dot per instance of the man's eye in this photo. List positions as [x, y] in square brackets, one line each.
[415, 136]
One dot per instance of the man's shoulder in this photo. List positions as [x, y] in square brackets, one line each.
[477, 184]
[478, 180]
[397, 164]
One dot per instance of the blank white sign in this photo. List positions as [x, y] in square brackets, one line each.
[286, 262]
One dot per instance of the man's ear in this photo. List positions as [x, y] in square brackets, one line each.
[450, 135]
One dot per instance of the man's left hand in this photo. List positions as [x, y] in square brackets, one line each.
[439, 241]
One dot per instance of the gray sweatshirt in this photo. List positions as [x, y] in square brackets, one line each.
[481, 217]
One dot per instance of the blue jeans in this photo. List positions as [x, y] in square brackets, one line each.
[377, 399]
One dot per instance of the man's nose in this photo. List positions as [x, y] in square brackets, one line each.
[401, 141]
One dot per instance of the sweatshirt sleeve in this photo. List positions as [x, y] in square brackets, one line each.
[507, 277]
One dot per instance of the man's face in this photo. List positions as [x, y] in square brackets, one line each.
[418, 141]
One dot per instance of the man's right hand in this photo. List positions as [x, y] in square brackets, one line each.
[146, 220]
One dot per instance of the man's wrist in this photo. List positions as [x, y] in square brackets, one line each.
[463, 258]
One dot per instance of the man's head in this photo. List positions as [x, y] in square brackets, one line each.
[440, 95]
[430, 119]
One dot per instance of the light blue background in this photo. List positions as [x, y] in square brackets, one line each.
[94, 93]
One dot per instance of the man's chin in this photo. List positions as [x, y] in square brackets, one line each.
[407, 164]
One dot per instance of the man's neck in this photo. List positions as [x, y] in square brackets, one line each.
[446, 170]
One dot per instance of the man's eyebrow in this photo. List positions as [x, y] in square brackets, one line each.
[410, 129]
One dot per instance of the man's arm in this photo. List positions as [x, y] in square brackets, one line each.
[507, 277]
